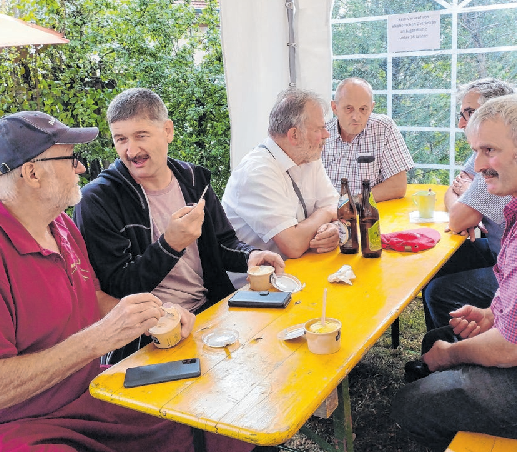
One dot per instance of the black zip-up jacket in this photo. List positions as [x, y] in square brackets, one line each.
[114, 219]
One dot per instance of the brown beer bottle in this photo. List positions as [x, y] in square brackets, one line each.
[371, 245]
[347, 221]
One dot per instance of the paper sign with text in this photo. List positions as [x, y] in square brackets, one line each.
[415, 31]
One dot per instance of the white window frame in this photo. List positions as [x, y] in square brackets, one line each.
[453, 9]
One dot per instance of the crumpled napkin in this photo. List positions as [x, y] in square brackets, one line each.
[344, 274]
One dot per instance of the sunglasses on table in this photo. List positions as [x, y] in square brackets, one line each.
[76, 158]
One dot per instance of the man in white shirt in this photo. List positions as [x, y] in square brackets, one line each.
[279, 197]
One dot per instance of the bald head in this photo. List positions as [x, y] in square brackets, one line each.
[352, 84]
[353, 105]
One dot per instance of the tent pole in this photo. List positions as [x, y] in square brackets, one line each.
[291, 44]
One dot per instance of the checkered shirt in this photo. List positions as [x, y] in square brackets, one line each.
[478, 197]
[380, 138]
[504, 304]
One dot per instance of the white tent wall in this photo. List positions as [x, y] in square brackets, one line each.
[254, 35]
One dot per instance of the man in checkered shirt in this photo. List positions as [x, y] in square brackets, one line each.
[473, 384]
[365, 145]
[467, 277]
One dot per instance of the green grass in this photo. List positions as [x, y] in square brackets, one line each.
[373, 384]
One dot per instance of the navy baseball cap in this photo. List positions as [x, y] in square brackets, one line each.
[27, 134]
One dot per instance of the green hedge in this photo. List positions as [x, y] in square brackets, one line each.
[168, 47]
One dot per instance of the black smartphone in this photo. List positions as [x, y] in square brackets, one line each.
[365, 159]
[159, 373]
[265, 299]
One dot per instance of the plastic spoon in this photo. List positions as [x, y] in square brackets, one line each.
[324, 307]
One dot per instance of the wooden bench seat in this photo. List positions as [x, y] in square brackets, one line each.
[478, 442]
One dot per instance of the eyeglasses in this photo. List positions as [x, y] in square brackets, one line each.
[76, 158]
[466, 114]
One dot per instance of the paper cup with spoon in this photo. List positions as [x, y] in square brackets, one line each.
[167, 332]
[323, 334]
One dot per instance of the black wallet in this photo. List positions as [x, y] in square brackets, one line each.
[265, 299]
[159, 373]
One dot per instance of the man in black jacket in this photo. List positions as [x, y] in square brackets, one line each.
[149, 225]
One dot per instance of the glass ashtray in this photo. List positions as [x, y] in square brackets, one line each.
[220, 337]
[292, 332]
[286, 283]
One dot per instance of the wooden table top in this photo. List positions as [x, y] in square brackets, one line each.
[263, 389]
[479, 442]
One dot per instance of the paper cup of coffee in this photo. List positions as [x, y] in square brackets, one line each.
[167, 332]
[323, 339]
[259, 277]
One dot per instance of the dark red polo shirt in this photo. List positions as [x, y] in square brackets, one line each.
[45, 297]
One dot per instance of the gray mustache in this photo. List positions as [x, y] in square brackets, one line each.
[489, 173]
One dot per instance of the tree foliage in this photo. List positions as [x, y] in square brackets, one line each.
[163, 45]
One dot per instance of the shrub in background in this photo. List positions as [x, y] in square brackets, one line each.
[163, 45]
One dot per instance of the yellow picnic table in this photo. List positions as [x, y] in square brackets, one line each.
[479, 442]
[262, 389]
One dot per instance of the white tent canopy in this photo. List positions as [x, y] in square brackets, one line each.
[255, 37]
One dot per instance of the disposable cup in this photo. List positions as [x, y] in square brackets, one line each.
[323, 341]
[259, 277]
[167, 332]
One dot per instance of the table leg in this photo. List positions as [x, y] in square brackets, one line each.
[342, 420]
[199, 440]
[395, 333]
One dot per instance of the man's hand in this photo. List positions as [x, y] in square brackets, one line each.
[185, 226]
[470, 233]
[482, 228]
[461, 183]
[130, 318]
[469, 321]
[258, 257]
[187, 319]
[438, 358]
[326, 238]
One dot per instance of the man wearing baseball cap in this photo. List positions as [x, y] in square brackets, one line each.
[27, 134]
[55, 322]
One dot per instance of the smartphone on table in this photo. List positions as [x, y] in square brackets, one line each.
[160, 373]
[264, 299]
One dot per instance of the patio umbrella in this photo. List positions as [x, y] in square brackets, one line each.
[16, 32]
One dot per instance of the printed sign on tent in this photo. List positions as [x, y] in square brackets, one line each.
[415, 31]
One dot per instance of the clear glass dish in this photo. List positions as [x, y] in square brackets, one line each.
[286, 283]
[292, 332]
[220, 337]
